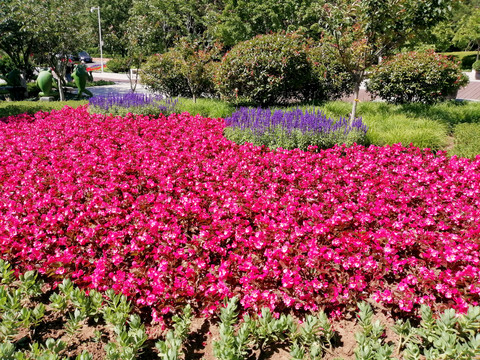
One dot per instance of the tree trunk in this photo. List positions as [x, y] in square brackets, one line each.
[133, 82]
[60, 70]
[354, 104]
[192, 89]
[23, 83]
[356, 91]
[60, 90]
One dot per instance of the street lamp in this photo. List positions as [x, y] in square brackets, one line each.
[92, 9]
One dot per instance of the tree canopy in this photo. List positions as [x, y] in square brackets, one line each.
[41, 30]
[241, 20]
[468, 32]
[361, 31]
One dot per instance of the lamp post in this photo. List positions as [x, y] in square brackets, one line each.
[92, 9]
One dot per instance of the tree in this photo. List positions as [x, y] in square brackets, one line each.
[48, 29]
[361, 31]
[194, 64]
[17, 40]
[468, 33]
[156, 25]
[61, 28]
[441, 36]
[241, 20]
[114, 21]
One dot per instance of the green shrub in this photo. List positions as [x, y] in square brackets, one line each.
[466, 62]
[124, 64]
[466, 140]
[425, 77]
[264, 70]
[159, 74]
[466, 58]
[6, 65]
[329, 80]
[92, 83]
[33, 89]
[476, 65]
[119, 65]
[197, 66]
[184, 70]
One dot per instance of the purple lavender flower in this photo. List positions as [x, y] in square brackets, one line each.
[133, 100]
[261, 121]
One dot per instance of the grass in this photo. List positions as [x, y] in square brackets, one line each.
[425, 126]
[423, 133]
[9, 108]
[212, 108]
[466, 140]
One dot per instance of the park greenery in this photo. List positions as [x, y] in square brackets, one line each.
[173, 271]
[359, 32]
[246, 197]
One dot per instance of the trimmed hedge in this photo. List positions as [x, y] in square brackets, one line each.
[425, 77]
[265, 70]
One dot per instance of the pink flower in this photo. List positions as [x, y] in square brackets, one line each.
[182, 214]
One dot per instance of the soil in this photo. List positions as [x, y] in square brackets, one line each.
[450, 143]
[199, 345]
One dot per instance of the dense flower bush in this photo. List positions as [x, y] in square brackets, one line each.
[132, 103]
[168, 211]
[264, 70]
[425, 77]
[21, 118]
[292, 129]
[329, 79]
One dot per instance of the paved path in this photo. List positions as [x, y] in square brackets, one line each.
[470, 92]
[118, 88]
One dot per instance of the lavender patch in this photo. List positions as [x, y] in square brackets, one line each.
[292, 129]
[136, 103]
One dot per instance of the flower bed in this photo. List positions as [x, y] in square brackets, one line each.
[292, 129]
[132, 103]
[169, 212]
